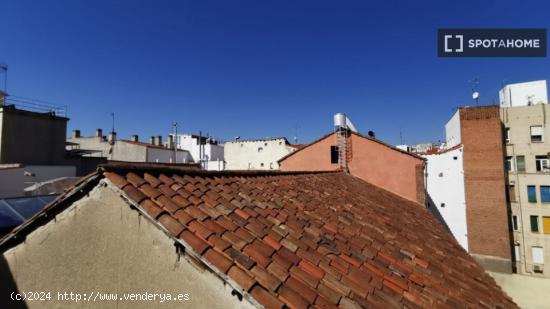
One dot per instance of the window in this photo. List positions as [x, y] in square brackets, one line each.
[514, 222]
[542, 163]
[509, 164]
[512, 193]
[261, 165]
[546, 225]
[538, 255]
[507, 135]
[534, 223]
[271, 165]
[531, 194]
[545, 194]
[537, 134]
[520, 163]
[265, 144]
[260, 149]
[334, 154]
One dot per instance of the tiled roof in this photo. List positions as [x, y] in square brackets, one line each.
[307, 240]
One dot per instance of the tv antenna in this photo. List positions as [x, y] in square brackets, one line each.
[475, 92]
[4, 69]
[113, 122]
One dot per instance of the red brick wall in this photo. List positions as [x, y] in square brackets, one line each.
[484, 179]
[371, 161]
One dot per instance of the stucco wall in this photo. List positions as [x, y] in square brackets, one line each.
[445, 185]
[101, 245]
[376, 163]
[385, 167]
[244, 155]
[23, 133]
[158, 155]
[452, 130]
[315, 157]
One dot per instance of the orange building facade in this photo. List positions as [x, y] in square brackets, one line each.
[371, 160]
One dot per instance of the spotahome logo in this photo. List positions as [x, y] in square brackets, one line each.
[491, 43]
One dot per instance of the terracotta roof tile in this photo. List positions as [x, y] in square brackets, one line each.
[171, 224]
[219, 260]
[134, 194]
[313, 240]
[268, 300]
[195, 242]
[263, 277]
[244, 280]
[151, 208]
[292, 298]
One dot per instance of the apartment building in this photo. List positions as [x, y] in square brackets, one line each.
[466, 185]
[132, 150]
[527, 150]
[260, 154]
[203, 149]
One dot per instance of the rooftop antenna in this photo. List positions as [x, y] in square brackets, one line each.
[4, 68]
[400, 136]
[475, 92]
[296, 133]
[175, 141]
[113, 122]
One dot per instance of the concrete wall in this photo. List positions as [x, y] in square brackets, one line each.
[523, 94]
[445, 185]
[245, 155]
[484, 178]
[519, 120]
[13, 180]
[31, 138]
[371, 161]
[101, 245]
[527, 292]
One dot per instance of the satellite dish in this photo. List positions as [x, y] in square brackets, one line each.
[475, 95]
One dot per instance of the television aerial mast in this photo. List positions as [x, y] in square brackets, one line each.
[475, 92]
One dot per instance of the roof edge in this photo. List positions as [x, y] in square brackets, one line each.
[192, 170]
[358, 134]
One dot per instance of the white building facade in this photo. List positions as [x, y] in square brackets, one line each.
[203, 149]
[523, 94]
[256, 154]
[445, 186]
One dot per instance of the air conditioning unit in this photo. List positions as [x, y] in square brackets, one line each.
[538, 269]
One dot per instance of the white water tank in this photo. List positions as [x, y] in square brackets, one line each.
[340, 120]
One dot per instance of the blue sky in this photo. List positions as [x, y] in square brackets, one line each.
[258, 68]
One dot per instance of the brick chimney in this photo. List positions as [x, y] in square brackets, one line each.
[76, 133]
[112, 137]
[170, 141]
[152, 140]
[158, 140]
[135, 138]
[98, 132]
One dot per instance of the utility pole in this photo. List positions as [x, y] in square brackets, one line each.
[175, 126]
